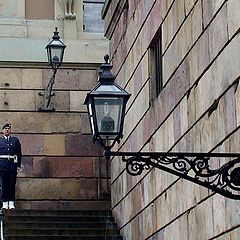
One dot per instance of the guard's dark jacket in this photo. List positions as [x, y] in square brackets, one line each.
[10, 147]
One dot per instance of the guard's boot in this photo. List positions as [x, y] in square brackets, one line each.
[11, 205]
[5, 205]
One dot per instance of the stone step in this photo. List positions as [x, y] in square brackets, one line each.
[56, 224]
[64, 205]
[78, 225]
[23, 212]
[62, 237]
[61, 218]
[61, 231]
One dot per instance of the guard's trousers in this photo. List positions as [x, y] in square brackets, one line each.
[8, 179]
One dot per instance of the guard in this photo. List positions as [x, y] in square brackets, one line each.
[10, 162]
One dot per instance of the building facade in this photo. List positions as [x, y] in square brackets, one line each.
[61, 167]
[179, 60]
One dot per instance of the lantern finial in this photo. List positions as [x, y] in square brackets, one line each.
[56, 36]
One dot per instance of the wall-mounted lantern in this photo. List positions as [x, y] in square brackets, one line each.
[55, 51]
[106, 105]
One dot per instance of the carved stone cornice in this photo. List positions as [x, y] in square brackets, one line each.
[42, 65]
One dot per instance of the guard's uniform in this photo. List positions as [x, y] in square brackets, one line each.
[10, 160]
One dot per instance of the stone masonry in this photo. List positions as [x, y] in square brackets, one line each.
[197, 110]
[61, 168]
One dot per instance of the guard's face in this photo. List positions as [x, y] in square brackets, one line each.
[7, 131]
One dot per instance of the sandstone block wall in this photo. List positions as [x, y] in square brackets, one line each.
[24, 38]
[197, 110]
[60, 165]
[61, 168]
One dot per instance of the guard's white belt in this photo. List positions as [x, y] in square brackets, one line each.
[14, 157]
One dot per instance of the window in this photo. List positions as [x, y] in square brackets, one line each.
[39, 9]
[92, 18]
[155, 60]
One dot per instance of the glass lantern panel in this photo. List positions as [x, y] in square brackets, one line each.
[109, 115]
[108, 88]
[56, 54]
[90, 114]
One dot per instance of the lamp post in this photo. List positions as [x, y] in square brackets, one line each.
[106, 105]
[55, 52]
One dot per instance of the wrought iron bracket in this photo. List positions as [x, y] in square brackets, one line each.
[47, 94]
[219, 172]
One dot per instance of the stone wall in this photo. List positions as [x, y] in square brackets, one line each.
[61, 168]
[60, 163]
[197, 110]
[24, 39]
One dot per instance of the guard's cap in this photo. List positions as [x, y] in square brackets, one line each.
[6, 125]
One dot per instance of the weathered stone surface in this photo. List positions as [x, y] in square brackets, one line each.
[54, 145]
[218, 33]
[150, 26]
[237, 103]
[51, 122]
[91, 49]
[32, 79]
[209, 10]
[234, 234]
[62, 167]
[181, 44]
[60, 144]
[52, 188]
[189, 4]
[26, 167]
[219, 217]
[87, 79]
[12, 8]
[233, 17]
[10, 77]
[20, 100]
[100, 168]
[32, 144]
[70, 80]
[19, 30]
[50, 176]
[217, 78]
[60, 101]
[65, 205]
[201, 218]
[77, 99]
[177, 230]
[136, 113]
[172, 22]
[65, 79]
[199, 57]
[81, 145]
[201, 65]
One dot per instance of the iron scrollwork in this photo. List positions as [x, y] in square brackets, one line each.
[199, 168]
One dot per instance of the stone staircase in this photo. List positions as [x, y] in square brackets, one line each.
[60, 224]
